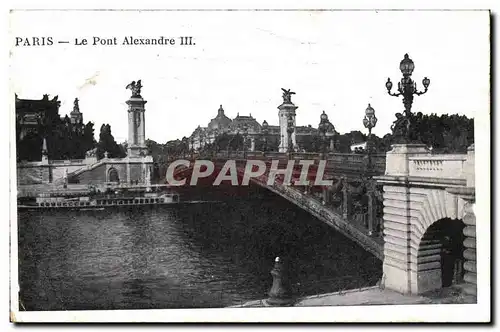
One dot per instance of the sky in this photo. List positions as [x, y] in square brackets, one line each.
[336, 61]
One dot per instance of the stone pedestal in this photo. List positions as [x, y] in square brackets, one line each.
[90, 160]
[397, 271]
[398, 274]
[402, 270]
[397, 160]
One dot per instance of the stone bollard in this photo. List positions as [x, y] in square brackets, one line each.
[280, 294]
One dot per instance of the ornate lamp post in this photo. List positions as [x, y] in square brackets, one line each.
[290, 130]
[322, 128]
[406, 88]
[265, 131]
[369, 121]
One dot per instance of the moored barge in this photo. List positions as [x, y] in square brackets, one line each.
[104, 201]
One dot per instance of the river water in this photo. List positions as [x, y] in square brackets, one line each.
[181, 256]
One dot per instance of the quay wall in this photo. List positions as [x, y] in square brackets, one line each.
[45, 171]
[85, 171]
[33, 174]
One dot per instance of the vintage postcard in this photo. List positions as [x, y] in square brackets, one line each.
[262, 165]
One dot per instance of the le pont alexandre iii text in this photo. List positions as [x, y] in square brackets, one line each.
[21, 41]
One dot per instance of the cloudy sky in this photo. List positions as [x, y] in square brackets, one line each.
[337, 61]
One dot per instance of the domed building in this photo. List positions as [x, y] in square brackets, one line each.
[263, 136]
[221, 122]
[242, 122]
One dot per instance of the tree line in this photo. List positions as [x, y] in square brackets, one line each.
[66, 140]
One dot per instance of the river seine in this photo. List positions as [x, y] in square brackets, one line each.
[181, 256]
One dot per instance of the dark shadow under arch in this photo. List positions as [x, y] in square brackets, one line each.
[442, 247]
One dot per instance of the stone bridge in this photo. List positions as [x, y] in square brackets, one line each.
[351, 204]
[429, 222]
[412, 209]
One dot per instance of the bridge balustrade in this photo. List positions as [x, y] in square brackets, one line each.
[438, 166]
[356, 162]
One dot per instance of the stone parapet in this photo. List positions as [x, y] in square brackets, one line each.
[438, 166]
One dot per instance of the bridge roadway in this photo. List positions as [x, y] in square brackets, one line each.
[343, 169]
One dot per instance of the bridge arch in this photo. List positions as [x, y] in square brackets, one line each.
[421, 225]
[431, 205]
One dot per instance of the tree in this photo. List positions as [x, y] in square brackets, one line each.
[88, 140]
[108, 144]
[444, 133]
[346, 140]
[312, 143]
[228, 142]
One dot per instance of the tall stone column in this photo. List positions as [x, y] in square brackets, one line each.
[136, 121]
[398, 159]
[286, 111]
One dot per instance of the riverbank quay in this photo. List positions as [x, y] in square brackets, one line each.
[373, 295]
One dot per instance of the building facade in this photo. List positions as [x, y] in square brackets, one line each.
[285, 137]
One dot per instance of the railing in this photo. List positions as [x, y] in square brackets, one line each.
[348, 161]
[438, 166]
